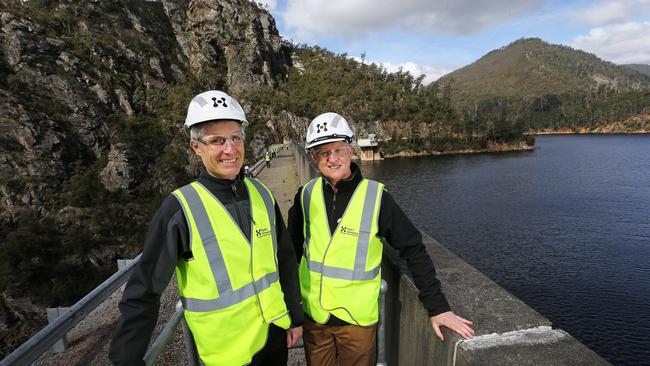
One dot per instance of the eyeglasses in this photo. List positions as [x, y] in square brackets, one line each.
[217, 142]
[325, 154]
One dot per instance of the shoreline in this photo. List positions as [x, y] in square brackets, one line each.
[493, 148]
[561, 132]
[503, 148]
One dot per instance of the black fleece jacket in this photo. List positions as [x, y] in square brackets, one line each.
[394, 226]
[167, 242]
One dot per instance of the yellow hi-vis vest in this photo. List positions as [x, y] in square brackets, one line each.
[340, 274]
[230, 290]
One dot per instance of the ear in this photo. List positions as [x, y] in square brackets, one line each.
[195, 146]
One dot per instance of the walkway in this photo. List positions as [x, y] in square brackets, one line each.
[281, 178]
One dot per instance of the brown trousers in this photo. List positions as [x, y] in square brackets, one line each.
[354, 345]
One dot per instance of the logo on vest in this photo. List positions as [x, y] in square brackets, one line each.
[348, 231]
[262, 232]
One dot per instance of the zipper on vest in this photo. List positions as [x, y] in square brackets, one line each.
[240, 217]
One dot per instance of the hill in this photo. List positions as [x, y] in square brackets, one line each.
[642, 68]
[546, 87]
[530, 67]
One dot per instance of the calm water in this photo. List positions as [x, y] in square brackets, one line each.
[566, 228]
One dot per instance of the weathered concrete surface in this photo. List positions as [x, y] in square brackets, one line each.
[508, 332]
[537, 346]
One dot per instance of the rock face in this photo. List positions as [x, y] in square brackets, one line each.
[92, 100]
[118, 174]
[235, 37]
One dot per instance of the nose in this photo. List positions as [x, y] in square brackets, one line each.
[229, 146]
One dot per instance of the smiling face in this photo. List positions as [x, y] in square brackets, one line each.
[221, 161]
[333, 160]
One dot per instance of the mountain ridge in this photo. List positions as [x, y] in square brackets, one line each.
[642, 68]
[531, 67]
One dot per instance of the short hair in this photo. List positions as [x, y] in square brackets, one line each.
[196, 131]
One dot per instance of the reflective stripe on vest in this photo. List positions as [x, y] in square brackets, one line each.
[359, 272]
[227, 296]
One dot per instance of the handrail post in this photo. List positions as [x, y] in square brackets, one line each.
[381, 332]
[52, 314]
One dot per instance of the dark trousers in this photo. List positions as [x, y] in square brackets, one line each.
[275, 352]
[353, 345]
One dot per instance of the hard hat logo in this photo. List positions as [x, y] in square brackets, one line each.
[318, 127]
[221, 100]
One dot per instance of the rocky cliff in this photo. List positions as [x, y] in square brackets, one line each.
[93, 97]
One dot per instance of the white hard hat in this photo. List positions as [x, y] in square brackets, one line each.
[214, 105]
[326, 128]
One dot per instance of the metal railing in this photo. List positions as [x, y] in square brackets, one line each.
[29, 351]
[167, 333]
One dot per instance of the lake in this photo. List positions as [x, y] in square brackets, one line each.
[566, 228]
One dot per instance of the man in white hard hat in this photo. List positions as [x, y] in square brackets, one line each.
[224, 236]
[337, 223]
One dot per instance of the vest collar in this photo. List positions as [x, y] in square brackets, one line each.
[220, 182]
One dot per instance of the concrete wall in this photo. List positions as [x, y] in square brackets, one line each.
[508, 332]
[305, 168]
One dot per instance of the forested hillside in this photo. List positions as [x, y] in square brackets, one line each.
[405, 114]
[543, 86]
[642, 68]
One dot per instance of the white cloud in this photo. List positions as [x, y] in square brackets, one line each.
[352, 19]
[431, 73]
[269, 4]
[608, 12]
[625, 43]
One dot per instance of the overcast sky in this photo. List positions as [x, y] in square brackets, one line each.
[434, 37]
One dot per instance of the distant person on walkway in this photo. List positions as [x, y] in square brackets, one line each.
[336, 223]
[247, 172]
[267, 158]
[225, 237]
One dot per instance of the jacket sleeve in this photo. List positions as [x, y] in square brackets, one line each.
[141, 299]
[402, 235]
[295, 225]
[288, 269]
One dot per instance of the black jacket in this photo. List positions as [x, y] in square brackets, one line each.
[167, 242]
[394, 226]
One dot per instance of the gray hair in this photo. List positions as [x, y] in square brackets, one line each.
[196, 131]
